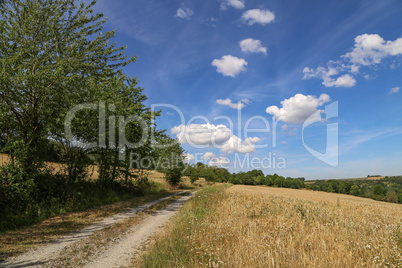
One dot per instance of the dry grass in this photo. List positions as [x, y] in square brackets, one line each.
[92, 170]
[375, 178]
[275, 227]
[3, 159]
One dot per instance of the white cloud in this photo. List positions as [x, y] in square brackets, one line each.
[209, 135]
[228, 102]
[369, 50]
[286, 130]
[260, 16]
[202, 134]
[235, 145]
[246, 101]
[188, 157]
[208, 156]
[238, 4]
[184, 13]
[229, 65]
[326, 74]
[354, 68]
[219, 162]
[252, 45]
[343, 81]
[297, 109]
[394, 90]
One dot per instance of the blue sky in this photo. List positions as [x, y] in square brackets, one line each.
[215, 59]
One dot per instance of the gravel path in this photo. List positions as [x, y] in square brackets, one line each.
[127, 248]
[43, 255]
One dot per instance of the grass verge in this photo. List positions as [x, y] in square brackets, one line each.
[172, 247]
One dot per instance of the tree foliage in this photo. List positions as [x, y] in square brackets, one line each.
[65, 98]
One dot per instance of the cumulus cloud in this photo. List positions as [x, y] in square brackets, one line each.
[228, 102]
[209, 135]
[235, 145]
[394, 90]
[259, 16]
[253, 46]
[184, 13]
[222, 162]
[297, 109]
[369, 50]
[342, 81]
[326, 74]
[229, 65]
[202, 134]
[238, 4]
[188, 157]
[208, 156]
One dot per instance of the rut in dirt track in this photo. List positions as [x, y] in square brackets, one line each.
[122, 253]
[42, 256]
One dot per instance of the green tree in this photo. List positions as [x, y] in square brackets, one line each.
[194, 177]
[170, 157]
[355, 190]
[53, 54]
[392, 197]
[400, 198]
[379, 190]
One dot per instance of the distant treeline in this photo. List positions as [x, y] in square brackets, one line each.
[388, 189]
[253, 177]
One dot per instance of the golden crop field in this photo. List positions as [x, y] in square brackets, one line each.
[92, 170]
[258, 226]
[251, 226]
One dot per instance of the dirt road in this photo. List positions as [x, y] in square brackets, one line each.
[117, 254]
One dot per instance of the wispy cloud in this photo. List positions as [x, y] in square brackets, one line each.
[228, 102]
[184, 13]
[359, 137]
[394, 90]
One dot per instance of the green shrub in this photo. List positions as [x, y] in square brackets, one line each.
[173, 176]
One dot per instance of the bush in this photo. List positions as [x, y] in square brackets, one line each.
[379, 190]
[355, 190]
[391, 197]
[400, 198]
[16, 190]
[193, 178]
[173, 176]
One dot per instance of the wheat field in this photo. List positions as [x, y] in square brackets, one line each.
[153, 175]
[259, 226]
[253, 226]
